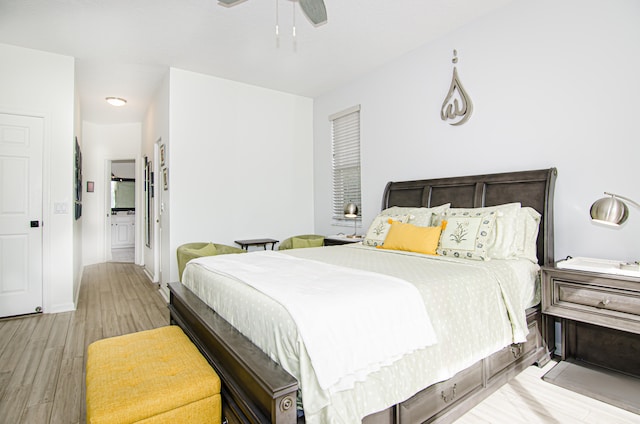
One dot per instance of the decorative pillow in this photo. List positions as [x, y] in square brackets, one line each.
[298, 242]
[379, 228]
[467, 233]
[528, 225]
[412, 238]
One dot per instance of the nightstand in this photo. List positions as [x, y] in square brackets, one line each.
[599, 315]
[339, 239]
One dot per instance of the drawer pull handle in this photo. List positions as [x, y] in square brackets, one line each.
[451, 396]
[516, 350]
[604, 302]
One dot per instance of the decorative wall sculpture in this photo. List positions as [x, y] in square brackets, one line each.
[457, 106]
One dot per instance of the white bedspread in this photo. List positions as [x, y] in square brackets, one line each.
[476, 308]
[386, 316]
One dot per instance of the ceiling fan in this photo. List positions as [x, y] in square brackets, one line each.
[314, 9]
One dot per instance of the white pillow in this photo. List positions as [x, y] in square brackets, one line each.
[467, 233]
[428, 217]
[420, 217]
[528, 224]
[502, 242]
[377, 232]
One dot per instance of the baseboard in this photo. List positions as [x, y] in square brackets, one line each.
[148, 274]
[63, 307]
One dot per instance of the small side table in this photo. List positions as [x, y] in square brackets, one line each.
[244, 244]
[337, 240]
[600, 319]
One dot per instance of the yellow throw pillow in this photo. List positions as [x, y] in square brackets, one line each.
[412, 238]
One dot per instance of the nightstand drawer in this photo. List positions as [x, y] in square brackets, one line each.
[604, 300]
[608, 301]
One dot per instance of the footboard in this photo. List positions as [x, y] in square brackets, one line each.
[254, 388]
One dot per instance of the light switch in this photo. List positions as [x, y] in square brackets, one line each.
[60, 208]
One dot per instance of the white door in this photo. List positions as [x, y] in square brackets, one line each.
[21, 139]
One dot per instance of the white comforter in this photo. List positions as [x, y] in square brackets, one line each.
[476, 308]
[352, 322]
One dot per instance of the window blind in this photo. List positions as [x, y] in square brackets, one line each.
[345, 135]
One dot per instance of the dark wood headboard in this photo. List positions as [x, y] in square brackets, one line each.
[530, 188]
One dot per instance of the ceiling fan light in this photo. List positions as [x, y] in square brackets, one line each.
[116, 101]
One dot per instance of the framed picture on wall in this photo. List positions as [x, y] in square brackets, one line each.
[148, 202]
[162, 155]
[165, 178]
[78, 180]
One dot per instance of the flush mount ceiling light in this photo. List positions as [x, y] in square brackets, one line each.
[116, 101]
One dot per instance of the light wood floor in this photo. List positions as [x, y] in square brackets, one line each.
[528, 399]
[42, 359]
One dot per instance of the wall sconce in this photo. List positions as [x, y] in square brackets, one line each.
[351, 211]
[611, 210]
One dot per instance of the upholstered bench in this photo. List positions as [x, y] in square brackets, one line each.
[154, 376]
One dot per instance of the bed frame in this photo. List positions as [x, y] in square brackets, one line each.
[257, 390]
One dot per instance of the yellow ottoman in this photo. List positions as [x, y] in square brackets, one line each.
[155, 376]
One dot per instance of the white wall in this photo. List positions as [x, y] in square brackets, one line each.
[155, 128]
[103, 143]
[240, 163]
[78, 266]
[124, 169]
[42, 84]
[553, 84]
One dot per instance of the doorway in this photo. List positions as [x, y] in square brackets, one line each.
[123, 210]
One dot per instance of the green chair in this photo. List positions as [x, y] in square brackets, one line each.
[189, 251]
[305, 240]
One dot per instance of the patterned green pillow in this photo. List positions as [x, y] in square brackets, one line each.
[467, 233]
[377, 232]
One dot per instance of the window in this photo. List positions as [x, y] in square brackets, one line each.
[345, 138]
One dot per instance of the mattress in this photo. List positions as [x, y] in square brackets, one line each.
[476, 308]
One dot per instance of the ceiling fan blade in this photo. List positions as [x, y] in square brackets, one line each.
[315, 10]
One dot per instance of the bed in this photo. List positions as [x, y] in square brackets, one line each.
[257, 389]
